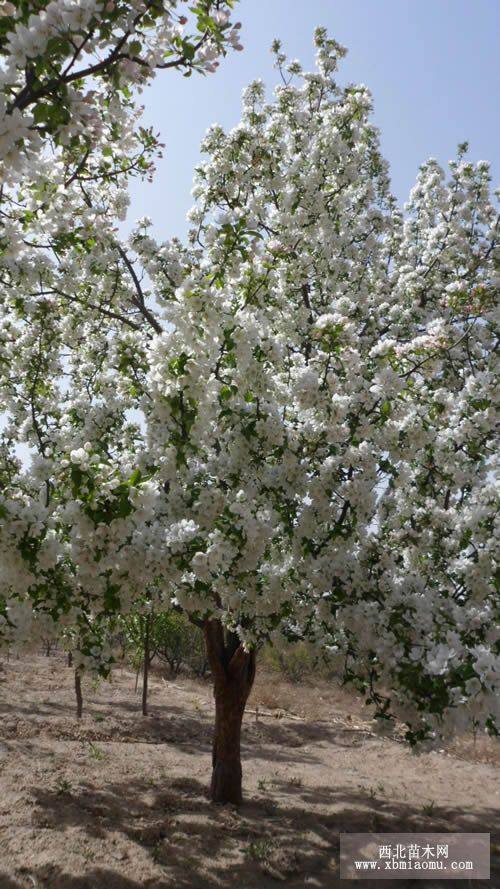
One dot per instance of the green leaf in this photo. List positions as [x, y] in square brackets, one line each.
[385, 410]
[135, 478]
[177, 365]
[135, 47]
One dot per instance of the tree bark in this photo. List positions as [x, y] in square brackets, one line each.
[233, 671]
[145, 672]
[78, 693]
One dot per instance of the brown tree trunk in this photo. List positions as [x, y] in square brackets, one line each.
[145, 671]
[78, 693]
[233, 671]
[70, 658]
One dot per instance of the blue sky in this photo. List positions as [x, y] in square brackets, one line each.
[433, 67]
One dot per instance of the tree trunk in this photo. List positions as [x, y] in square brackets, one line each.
[145, 672]
[70, 658]
[233, 671]
[78, 692]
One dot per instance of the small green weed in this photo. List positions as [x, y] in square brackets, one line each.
[259, 850]
[96, 752]
[295, 781]
[63, 786]
[429, 809]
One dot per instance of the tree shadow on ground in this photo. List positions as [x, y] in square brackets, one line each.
[277, 742]
[289, 833]
[285, 833]
[95, 878]
[270, 739]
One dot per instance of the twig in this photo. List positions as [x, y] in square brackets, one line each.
[276, 714]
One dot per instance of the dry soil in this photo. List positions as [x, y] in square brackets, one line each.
[118, 800]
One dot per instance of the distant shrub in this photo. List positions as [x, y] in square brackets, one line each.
[297, 663]
[173, 639]
[179, 643]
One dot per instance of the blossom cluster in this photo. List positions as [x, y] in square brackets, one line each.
[63, 62]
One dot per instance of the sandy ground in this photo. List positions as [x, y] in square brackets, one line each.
[119, 801]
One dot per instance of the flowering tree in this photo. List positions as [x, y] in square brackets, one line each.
[431, 617]
[284, 439]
